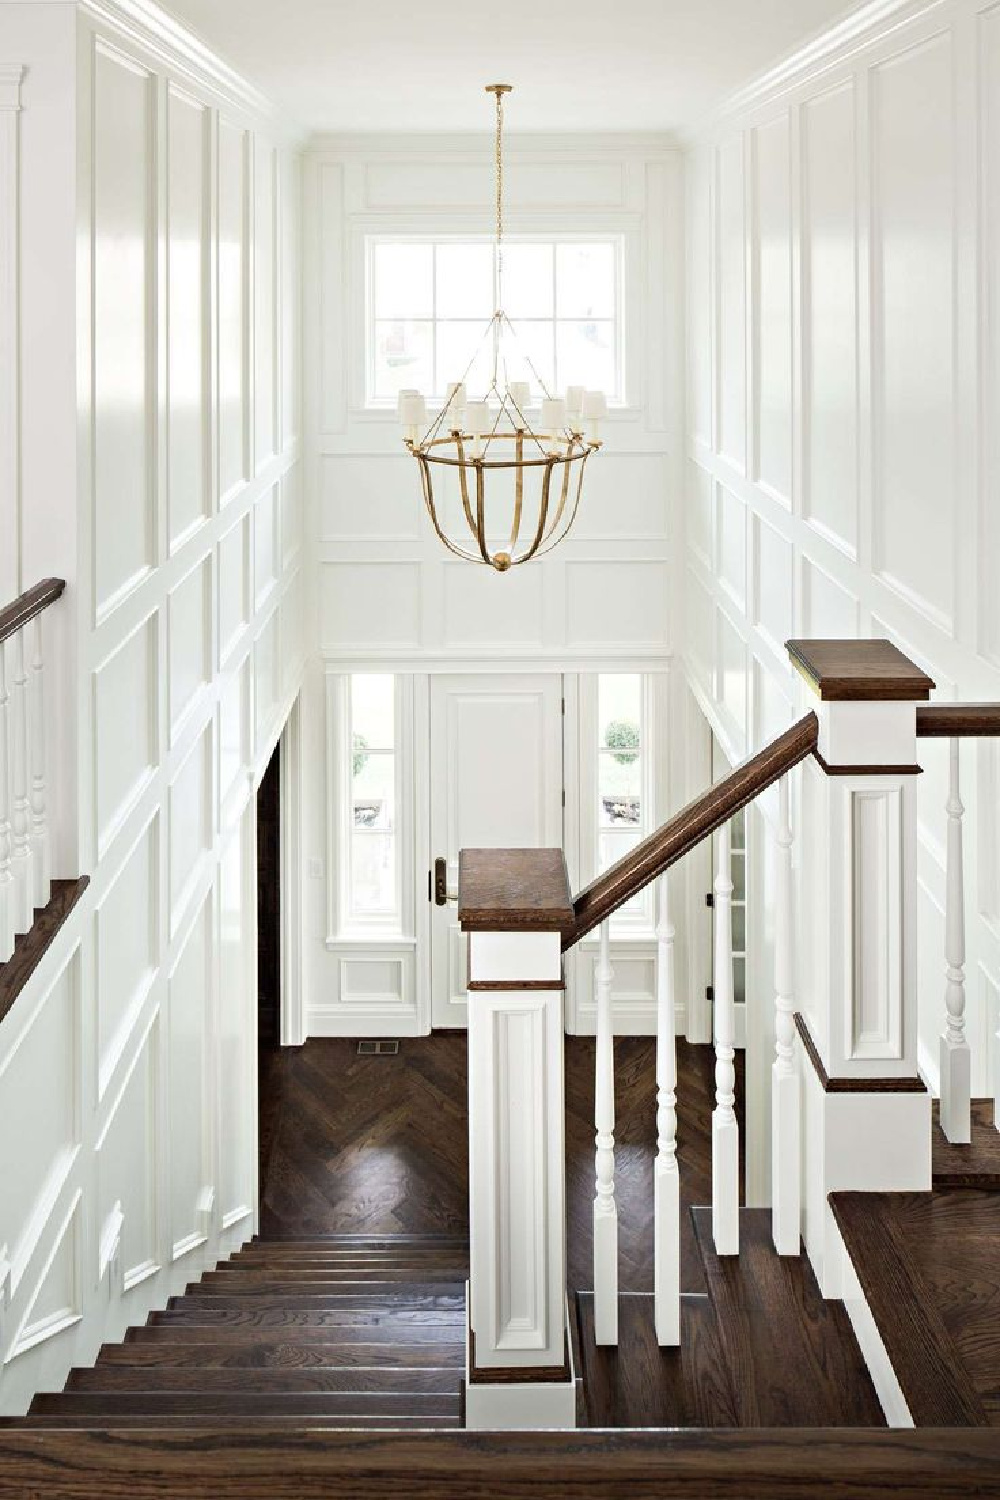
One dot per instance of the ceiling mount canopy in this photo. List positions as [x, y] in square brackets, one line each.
[501, 488]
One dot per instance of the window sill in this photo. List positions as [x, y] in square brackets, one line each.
[353, 942]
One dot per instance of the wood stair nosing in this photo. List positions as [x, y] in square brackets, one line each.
[249, 1404]
[369, 1334]
[403, 1299]
[237, 1424]
[278, 1352]
[441, 1381]
[402, 1321]
[926, 1362]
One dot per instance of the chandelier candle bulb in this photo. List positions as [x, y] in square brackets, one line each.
[595, 406]
[455, 403]
[413, 413]
[554, 418]
[519, 392]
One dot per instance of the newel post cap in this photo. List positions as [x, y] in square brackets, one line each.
[866, 671]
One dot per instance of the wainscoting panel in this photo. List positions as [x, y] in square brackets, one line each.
[166, 364]
[868, 365]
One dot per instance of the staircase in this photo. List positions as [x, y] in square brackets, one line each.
[928, 1269]
[338, 1332]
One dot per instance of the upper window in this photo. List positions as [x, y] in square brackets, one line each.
[429, 301]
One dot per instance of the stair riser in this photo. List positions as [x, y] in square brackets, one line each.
[249, 1404]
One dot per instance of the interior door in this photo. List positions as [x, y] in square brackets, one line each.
[496, 783]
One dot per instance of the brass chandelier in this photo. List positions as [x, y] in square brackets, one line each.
[515, 480]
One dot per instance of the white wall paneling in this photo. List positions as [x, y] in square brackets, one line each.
[854, 201]
[11, 73]
[128, 1066]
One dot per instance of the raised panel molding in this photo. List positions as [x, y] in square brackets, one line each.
[913, 386]
[122, 250]
[830, 314]
[126, 691]
[874, 876]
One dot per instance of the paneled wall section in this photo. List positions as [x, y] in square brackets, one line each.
[842, 459]
[128, 1066]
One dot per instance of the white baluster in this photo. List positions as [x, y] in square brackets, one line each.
[39, 811]
[605, 1208]
[725, 1129]
[21, 821]
[955, 1059]
[666, 1182]
[785, 1126]
[6, 879]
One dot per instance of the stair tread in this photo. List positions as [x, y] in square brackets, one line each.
[153, 1423]
[265, 1404]
[356, 1275]
[976, 1165]
[938, 1315]
[386, 1378]
[638, 1384]
[429, 1300]
[402, 1321]
[195, 1333]
[279, 1351]
[793, 1356]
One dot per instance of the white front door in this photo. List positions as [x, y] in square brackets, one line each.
[496, 783]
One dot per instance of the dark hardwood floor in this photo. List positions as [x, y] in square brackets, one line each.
[379, 1145]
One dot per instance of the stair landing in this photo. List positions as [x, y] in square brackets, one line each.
[762, 1349]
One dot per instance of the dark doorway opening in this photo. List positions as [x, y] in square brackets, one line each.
[269, 904]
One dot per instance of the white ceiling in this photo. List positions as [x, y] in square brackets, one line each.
[372, 65]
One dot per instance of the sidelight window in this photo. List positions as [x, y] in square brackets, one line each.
[372, 852]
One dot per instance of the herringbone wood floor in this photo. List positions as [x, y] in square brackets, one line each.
[379, 1145]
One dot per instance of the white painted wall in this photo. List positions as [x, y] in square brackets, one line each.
[160, 474]
[386, 595]
[842, 458]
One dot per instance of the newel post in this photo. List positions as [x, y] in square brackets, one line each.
[515, 906]
[866, 1117]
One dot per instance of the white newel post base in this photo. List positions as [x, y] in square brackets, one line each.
[866, 1113]
[519, 1365]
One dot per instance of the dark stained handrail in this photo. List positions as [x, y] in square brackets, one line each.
[688, 827]
[21, 611]
[957, 720]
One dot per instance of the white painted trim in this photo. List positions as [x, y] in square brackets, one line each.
[10, 465]
[292, 1020]
[146, 25]
[526, 1406]
[835, 44]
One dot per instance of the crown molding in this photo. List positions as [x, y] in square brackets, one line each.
[831, 48]
[152, 28]
[10, 85]
[477, 146]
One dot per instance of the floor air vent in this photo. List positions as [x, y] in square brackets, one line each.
[378, 1049]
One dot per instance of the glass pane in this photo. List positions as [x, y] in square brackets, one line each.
[619, 712]
[585, 354]
[534, 342]
[620, 787]
[739, 980]
[373, 709]
[739, 929]
[457, 344]
[373, 788]
[527, 290]
[613, 844]
[738, 839]
[739, 877]
[403, 276]
[373, 872]
[402, 358]
[464, 281]
[585, 281]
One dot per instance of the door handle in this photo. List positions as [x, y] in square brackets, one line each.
[442, 895]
